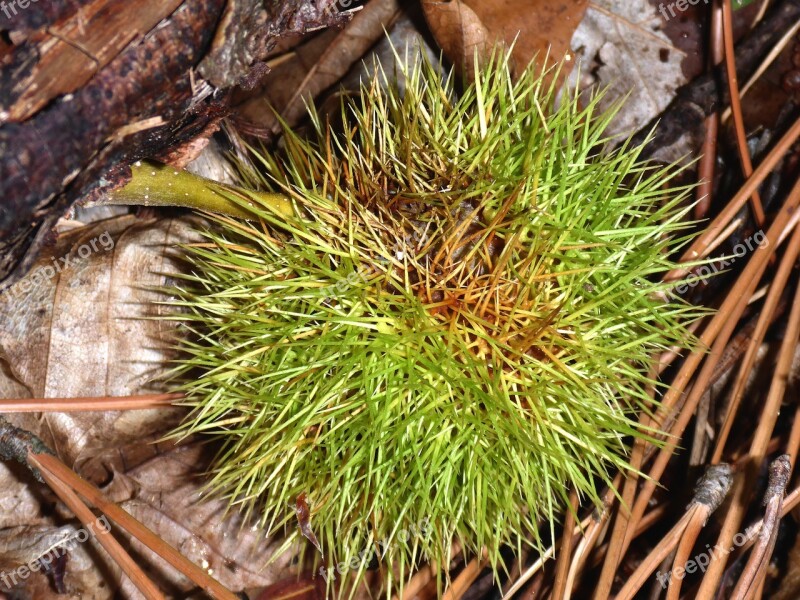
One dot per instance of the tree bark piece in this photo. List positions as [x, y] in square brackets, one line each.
[90, 87]
[705, 94]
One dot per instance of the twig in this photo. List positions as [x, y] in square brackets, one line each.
[19, 445]
[629, 489]
[529, 572]
[564, 553]
[790, 502]
[425, 575]
[755, 569]
[766, 63]
[15, 444]
[591, 526]
[126, 522]
[736, 108]
[761, 437]
[708, 152]
[615, 548]
[764, 320]
[702, 244]
[468, 575]
[143, 402]
[710, 491]
[590, 537]
[417, 583]
[730, 311]
[665, 546]
[142, 582]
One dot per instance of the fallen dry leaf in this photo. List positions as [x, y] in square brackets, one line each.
[75, 327]
[541, 28]
[620, 45]
[23, 545]
[166, 494]
[317, 65]
[257, 107]
[459, 31]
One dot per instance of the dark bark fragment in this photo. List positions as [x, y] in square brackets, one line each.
[704, 95]
[39, 14]
[121, 101]
[248, 31]
[16, 443]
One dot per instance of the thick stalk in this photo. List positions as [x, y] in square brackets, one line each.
[155, 184]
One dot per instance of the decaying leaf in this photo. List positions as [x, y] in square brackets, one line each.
[458, 30]
[304, 520]
[540, 28]
[166, 494]
[319, 64]
[26, 545]
[75, 327]
[619, 44]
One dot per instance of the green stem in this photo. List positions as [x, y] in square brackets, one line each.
[155, 184]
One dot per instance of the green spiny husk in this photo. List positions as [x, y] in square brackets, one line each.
[454, 331]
